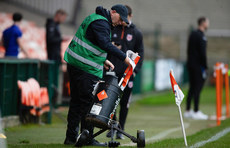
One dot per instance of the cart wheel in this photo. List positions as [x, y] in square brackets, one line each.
[82, 139]
[140, 138]
[113, 144]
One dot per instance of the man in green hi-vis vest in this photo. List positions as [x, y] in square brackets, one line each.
[86, 58]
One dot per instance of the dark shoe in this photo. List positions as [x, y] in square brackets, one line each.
[69, 142]
[82, 139]
[109, 133]
[96, 143]
[120, 136]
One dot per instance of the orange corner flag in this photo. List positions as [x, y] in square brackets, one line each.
[178, 98]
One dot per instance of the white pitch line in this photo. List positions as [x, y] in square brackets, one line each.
[213, 138]
[159, 136]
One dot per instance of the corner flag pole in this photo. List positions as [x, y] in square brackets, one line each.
[178, 98]
[182, 126]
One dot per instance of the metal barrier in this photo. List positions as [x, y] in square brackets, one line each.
[12, 70]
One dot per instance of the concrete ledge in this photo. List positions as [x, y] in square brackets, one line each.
[10, 121]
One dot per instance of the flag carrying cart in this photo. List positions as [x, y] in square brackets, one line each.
[107, 97]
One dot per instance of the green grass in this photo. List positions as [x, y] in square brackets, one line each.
[199, 136]
[160, 98]
[167, 97]
[168, 143]
[155, 114]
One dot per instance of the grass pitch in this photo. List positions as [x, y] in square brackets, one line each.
[156, 113]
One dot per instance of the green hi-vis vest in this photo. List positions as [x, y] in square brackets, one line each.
[84, 54]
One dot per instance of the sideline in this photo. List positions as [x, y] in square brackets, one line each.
[213, 138]
[159, 136]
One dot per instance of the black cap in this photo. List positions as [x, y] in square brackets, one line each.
[122, 10]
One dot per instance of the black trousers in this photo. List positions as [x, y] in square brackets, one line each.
[81, 87]
[196, 83]
[124, 104]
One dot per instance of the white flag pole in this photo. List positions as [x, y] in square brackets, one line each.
[182, 126]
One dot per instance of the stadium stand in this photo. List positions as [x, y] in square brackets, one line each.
[33, 37]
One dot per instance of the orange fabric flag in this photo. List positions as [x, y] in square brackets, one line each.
[176, 89]
[173, 81]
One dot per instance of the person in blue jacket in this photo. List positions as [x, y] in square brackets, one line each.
[11, 38]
